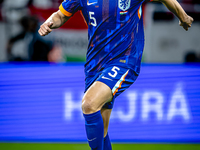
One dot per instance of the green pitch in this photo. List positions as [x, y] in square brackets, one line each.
[54, 146]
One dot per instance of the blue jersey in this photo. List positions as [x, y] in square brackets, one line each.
[115, 32]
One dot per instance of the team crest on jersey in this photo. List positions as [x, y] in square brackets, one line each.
[124, 4]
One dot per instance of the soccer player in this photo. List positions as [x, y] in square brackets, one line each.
[116, 41]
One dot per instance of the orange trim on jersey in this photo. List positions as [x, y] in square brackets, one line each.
[83, 18]
[139, 16]
[120, 84]
[66, 13]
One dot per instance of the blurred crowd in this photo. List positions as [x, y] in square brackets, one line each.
[21, 13]
[37, 47]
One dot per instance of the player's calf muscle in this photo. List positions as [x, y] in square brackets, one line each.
[105, 113]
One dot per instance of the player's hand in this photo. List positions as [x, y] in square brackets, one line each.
[45, 28]
[186, 23]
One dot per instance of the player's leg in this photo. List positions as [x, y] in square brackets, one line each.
[94, 99]
[118, 79]
[111, 82]
[105, 113]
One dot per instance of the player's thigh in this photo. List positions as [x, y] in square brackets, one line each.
[95, 97]
[105, 113]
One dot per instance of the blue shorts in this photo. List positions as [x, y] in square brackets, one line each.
[116, 77]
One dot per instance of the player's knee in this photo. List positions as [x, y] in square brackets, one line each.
[88, 106]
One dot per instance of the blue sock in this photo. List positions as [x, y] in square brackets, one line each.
[107, 143]
[95, 130]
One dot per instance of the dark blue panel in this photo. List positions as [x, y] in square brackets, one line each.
[42, 102]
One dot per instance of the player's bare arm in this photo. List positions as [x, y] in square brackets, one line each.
[55, 21]
[184, 20]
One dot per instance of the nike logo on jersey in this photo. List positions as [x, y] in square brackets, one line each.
[91, 139]
[103, 77]
[91, 3]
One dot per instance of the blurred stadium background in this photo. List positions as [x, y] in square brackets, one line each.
[42, 82]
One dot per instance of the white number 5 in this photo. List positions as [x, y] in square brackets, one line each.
[94, 23]
[114, 69]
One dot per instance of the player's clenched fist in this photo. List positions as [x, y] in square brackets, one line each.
[45, 28]
[186, 23]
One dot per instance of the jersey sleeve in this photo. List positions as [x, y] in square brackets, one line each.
[69, 7]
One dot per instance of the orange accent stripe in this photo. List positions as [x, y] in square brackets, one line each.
[139, 16]
[120, 84]
[66, 13]
[83, 18]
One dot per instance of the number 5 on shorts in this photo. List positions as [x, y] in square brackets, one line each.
[114, 69]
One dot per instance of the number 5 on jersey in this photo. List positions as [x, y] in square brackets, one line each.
[114, 69]
[92, 18]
